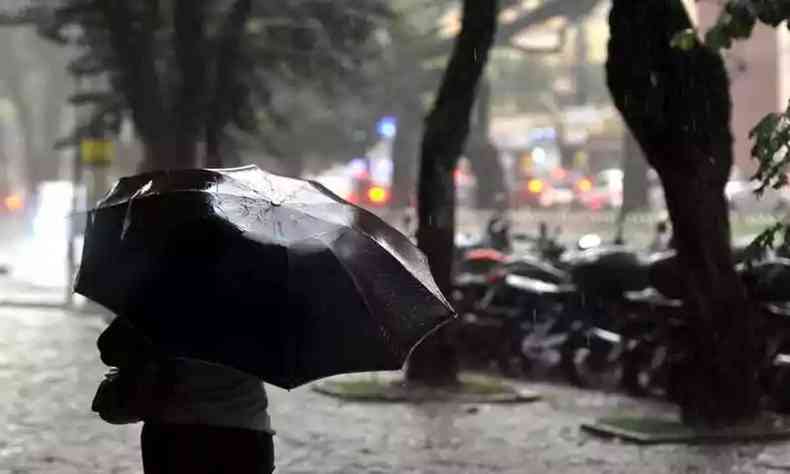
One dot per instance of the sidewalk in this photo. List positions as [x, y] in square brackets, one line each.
[16, 292]
[49, 370]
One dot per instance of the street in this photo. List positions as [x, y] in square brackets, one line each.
[49, 370]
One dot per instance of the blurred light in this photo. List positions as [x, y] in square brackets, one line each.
[358, 168]
[589, 241]
[584, 185]
[14, 202]
[387, 127]
[378, 195]
[559, 173]
[539, 155]
[353, 198]
[535, 186]
[526, 162]
[542, 134]
[361, 174]
[381, 170]
[486, 254]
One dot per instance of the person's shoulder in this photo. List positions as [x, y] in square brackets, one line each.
[200, 366]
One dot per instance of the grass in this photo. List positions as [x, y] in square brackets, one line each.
[650, 426]
[483, 387]
[652, 430]
[472, 388]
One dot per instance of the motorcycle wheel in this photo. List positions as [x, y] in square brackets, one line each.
[510, 359]
[587, 367]
[645, 370]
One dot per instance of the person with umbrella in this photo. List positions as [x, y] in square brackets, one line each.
[199, 417]
[226, 278]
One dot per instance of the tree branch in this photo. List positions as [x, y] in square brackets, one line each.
[571, 9]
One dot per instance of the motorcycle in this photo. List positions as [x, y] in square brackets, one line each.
[658, 354]
[602, 327]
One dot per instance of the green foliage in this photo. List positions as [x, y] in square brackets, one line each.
[684, 40]
[739, 17]
[766, 240]
[771, 139]
[223, 64]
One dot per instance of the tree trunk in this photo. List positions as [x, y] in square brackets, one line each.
[214, 157]
[677, 104]
[717, 377]
[434, 361]
[404, 157]
[169, 156]
[635, 168]
[483, 155]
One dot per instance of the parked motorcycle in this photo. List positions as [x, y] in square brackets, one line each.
[652, 365]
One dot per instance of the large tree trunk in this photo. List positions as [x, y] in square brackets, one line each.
[169, 156]
[635, 168]
[677, 104]
[447, 126]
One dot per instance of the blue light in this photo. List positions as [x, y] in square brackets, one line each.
[387, 127]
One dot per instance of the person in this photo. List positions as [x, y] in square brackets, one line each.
[198, 417]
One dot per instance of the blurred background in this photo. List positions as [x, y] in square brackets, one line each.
[545, 139]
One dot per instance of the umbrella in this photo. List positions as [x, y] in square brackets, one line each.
[274, 276]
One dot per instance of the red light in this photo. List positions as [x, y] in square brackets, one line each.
[559, 173]
[353, 198]
[361, 174]
[485, 254]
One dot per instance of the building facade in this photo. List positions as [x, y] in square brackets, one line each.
[760, 79]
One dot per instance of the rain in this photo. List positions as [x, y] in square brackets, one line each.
[459, 236]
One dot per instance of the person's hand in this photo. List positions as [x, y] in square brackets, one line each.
[122, 345]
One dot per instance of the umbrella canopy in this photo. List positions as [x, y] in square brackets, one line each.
[274, 276]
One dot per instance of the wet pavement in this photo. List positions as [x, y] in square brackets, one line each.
[49, 370]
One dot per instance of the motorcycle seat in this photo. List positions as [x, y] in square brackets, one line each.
[609, 271]
[768, 280]
[539, 287]
[531, 267]
[779, 309]
[651, 296]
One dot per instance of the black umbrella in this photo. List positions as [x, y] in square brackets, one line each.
[274, 276]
